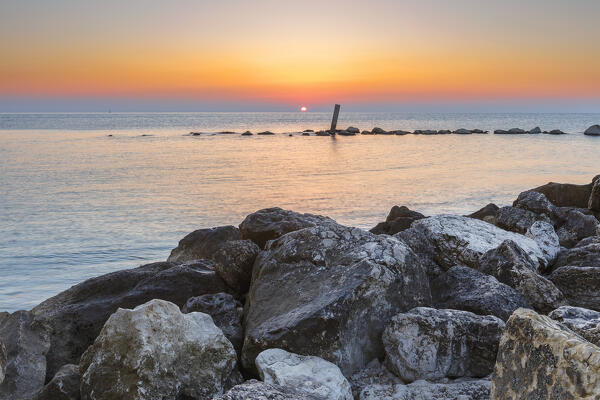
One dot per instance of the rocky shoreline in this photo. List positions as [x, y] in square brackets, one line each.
[503, 303]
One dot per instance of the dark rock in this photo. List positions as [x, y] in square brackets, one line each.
[346, 133]
[64, 385]
[460, 389]
[585, 254]
[322, 133]
[540, 359]
[233, 262]
[26, 343]
[305, 134]
[566, 195]
[518, 220]
[479, 131]
[247, 133]
[536, 202]
[328, 291]
[579, 285]
[203, 243]
[582, 321]
[593, 130]
[225, 312]
[403, 211]
[555, 132]
[307, 130]
[352, 129]
[463, 288]
[594, 200]
[271, 223]
[575, 226]
[378, 131]
[398, 220]
[487, 213]
[257, 390]
[227, 133]
[265, 133]
[367, 133]
[444, 132]
[429, 132]
[463, 131]
[76, 316]
[401, 133]
[426, 343]
[535, 130]
[512, 266]
[3, 360]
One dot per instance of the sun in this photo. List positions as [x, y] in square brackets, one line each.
[303, 109]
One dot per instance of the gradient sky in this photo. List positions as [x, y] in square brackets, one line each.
[274, 54]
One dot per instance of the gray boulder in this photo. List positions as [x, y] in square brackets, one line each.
[518, 220]
[474, 389]
[593, 130]
[202, 243]
[271, 223]
[234, 261]
[3, 360]
[426, 343]
[456, 240]
[579, 285]
[555, 132]
[541, 359]
[76, 316]
[374, 373]
[63, 386]
[546, 238]
[308, 374]
[328, 291]
[535, 130]
[378, 131]
[586, 253]
[535, 202]
[582, 321]
[352, 129]
[168, 355]
[257, 390]
[488, 213]
[26, 344]
[225, 312]
[511, 265]
[463, 288]
[575, 226]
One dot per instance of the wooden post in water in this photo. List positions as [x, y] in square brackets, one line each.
[336, 112]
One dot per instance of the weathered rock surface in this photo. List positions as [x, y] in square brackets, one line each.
[594, 200]
[540, 359]
[457, 240]
[202, 243]
[575, 226]
[271, 223]
[463, 288]
[511, 265]
[426, 343]
[63, 386]
[233, 262]
[487, 213]
[475, 389]
[374, 373]
[398, 220]
[546, 238]
[225, 312]
[156, 352]
[566, 194]
[3, 360]
[585, 254]
[579, 285]
[328, 291]
[75, 316]
[536, 202]
[26, 344]
[582, 321]
[308, 374]
[518, 220]
[593, 130]
[257, 390]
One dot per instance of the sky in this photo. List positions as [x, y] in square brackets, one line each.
[212, 55]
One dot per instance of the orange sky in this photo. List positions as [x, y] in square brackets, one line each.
[301, 52]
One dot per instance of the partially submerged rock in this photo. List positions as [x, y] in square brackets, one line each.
[398, 220]
[156, 352]
[579, 285]
[488, 213]
[582, 321]
[593, 130]
[426, 343]
[308, 374]
[257, 390]
[63, 386]
[474, 389]
[566, 194]
[463, 288]
[203, 243]
[328, 291]
[541, 359]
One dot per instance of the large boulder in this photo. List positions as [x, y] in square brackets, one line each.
[457, 240]
[585, 254]
[257, 390]
[156, 352]
[579, 285]
[517, 219]
[225, 312]
[426, 343]
[536, 202]
[575, 226]
[233, 262]
[540, 359]
[511, 265]
[26, 343]
[75, 316]
[308, 374]
[474, 389]
[582, 321]
[202, 243]
[63, 386]
[328, 291]
[593, 130]
[463, 288]
[271, 223]
[594, 200]
[398, 220]
[566, 194]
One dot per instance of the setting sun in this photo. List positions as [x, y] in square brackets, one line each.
[303, 109]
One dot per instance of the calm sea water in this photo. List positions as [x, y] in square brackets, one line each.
[75, 203]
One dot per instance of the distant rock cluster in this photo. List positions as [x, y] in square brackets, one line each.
[500, 304]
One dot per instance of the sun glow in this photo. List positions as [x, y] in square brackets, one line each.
[303, 109]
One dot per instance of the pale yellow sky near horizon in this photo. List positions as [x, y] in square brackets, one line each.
[301, 52]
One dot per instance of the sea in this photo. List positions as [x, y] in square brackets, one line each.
[83, 194]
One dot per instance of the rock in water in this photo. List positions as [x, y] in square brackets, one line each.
[487, 213]
[579, 285]
[580, 320]
[308, 374]
[328, 291]
[64, 385]
[535, 130]
[75, 316]
[156, 352]
[398, 220]
[457, 240]
[594, 201]
[541, 359]
[256, 390]
[593, 130]
[426, 343]
[566, 194]
[234, 261]
[474, 389]
[463, 288]
[26, 344]
[203, 243]
[271, 223]
[223, 309]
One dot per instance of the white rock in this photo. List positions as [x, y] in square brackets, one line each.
[546, 238]
[308, 374]
[475, 389]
